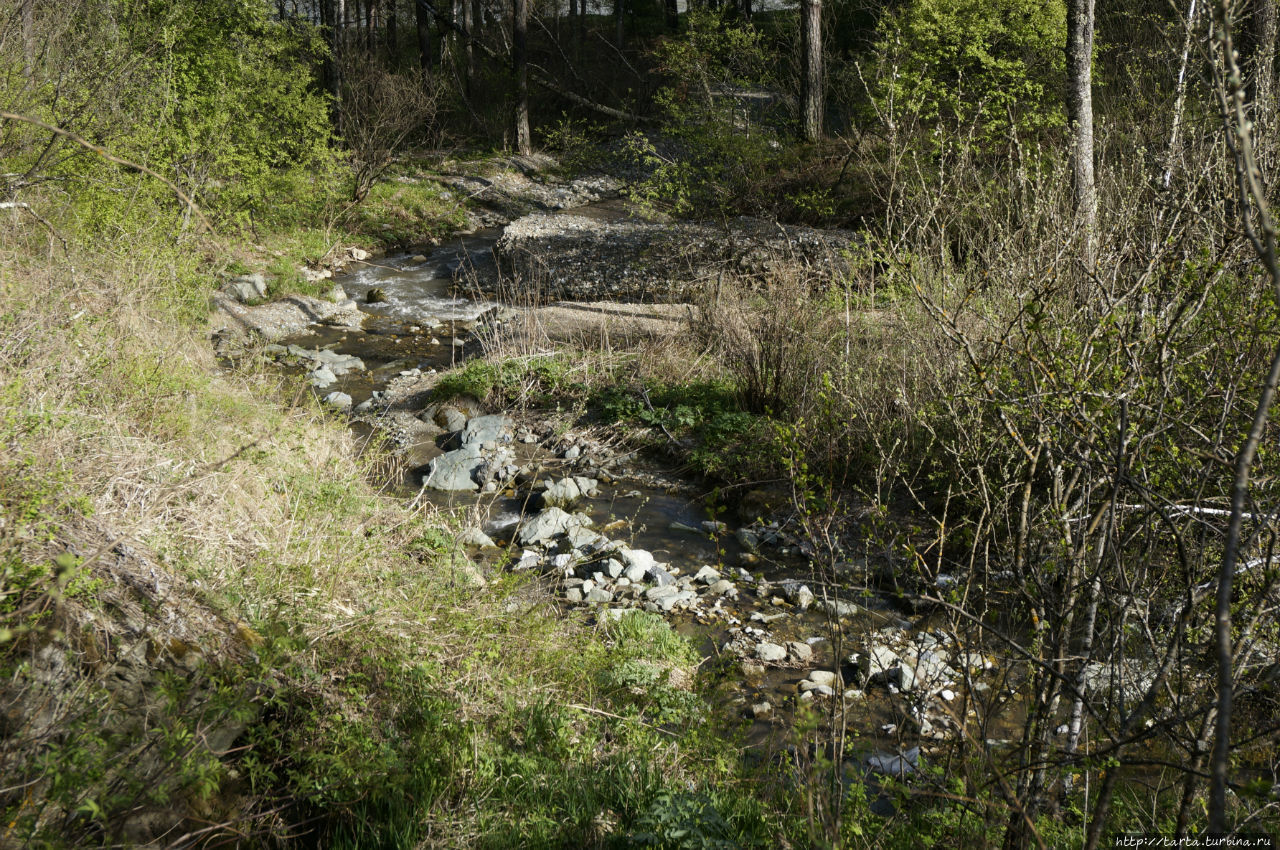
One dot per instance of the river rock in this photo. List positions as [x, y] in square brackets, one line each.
[339, 400]
[1128, 682]
[322, 377]
[638, 558]
[799, 650]
[246, 288]
[894, 764]
[770, 652]
[569, 491]
[546, 525]
[707, 575]
[823, 677]
[598, 596]
[584, 539]
[450, 418]
[723, 587]
[455, 470]
[487, 429]
[929, 671]
[879, 663]
[659, 576]
[476, 537]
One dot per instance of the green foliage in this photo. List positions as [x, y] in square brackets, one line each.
[536, 380]
[231, 101]
[974, 67]
[716, 156]
[682, 821]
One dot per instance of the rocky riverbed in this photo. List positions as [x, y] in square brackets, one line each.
[605, 531]
[574, 257]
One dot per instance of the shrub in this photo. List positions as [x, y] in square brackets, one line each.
[976, 67]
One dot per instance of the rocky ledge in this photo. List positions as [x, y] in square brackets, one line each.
[569, 257]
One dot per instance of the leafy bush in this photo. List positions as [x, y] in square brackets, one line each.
[716, 157]
[974, 66]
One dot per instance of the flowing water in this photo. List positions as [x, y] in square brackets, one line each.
[424, 324]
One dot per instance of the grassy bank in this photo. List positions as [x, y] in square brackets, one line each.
[228, 633]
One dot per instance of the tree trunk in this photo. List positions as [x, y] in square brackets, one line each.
[520, 66]
[811, 100]
[473, 54]
[422, 23]
[469, 50]
[393, 35]
[1079, 52]
[672, 15]
[1264, 66]
[619, 17]
[332, 14]
[28, 38]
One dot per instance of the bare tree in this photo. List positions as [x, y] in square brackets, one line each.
[1259, 227]
[1080, 22]
[422, 21]
[520, 67]
[1264, 61]
[811, 86]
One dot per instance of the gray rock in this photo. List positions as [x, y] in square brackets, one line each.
[339, 400]
[659, 576]
[455, 470]
[799, 650]
[635, 572]
[599, 596]
[613, 567]
[722, 588]
[636, 558]
[747, 539]
[803, 598]
[476, 537]
[928, 672]
[681, 599]
[1128, 682]
[894, 764]
[528, 560]
[655, 594]
[572, 453]
[246, 288]
[487, 429]
[450, 418]
[823, 677]
[879, 663]
[573, 595]
[322, 377]
[707, 575]
[546, 525]
[583, 538]
[569, 491]
[761, 710]
[770, 652]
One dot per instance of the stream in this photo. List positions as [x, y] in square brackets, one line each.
[611, 530]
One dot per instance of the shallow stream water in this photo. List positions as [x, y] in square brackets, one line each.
[423, 324]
